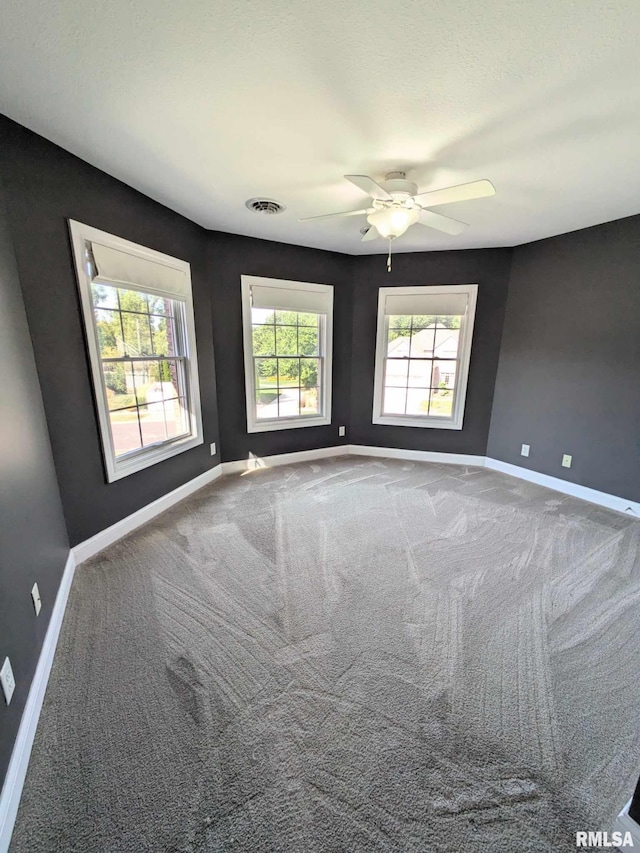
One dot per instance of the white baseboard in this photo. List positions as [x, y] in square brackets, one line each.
[573, 489]
[121, 528]
[623, 823]
[416, 455]
[253, 463]
[17, 771]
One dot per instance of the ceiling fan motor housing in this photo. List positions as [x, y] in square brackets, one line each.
[398, 187]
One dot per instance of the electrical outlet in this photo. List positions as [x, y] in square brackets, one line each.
[213, 448]
[342, 431]
[7, 680]
[525, 450]
[35, 595]
[566, 461]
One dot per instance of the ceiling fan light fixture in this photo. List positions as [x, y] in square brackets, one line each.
[393, 221]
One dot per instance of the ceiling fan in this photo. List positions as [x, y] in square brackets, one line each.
[397, 205]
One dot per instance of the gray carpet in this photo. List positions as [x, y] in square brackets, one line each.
[353, 655]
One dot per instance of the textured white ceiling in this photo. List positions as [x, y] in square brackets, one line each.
[202, 105]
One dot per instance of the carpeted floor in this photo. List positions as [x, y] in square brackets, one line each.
[350, 655]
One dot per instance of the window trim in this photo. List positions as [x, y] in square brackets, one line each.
[136, 460]
[462, 363]
[255, 424]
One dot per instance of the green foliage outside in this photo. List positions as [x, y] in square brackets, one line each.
[400, 324]
[287, 333]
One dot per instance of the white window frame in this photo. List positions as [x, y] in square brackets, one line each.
[462, 362]
[135, 460]
[255, 424]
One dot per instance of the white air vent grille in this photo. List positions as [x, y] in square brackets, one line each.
[267, 206]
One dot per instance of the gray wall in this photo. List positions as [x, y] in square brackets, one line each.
[569, 374]
[489, 268]
[33, 538]
[45, 186]
[231, 256]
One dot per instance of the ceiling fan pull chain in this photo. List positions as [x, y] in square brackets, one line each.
[389, 258]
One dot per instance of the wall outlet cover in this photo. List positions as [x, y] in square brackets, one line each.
[35, 595]
[566, 460]
[342, 431]
[525, 450]
[7, 680]
[212, 447]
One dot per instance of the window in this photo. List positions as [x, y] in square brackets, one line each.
[138, 316]
[287, 353]
[422, 355]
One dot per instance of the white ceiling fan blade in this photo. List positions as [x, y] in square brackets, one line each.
[341, 213]
[463, 192]
[369, 186]
[441, 223]
[372, 234]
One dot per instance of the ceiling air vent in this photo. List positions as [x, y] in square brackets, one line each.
[267, 206]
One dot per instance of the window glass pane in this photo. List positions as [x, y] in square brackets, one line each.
[263, 315]
[163, 335]
[309, 401]
[109, 330]
[125, 429]
[396, 372]
[288, 372]
[441, 403]
[152, 424]
[286, 340]
[420, 373]
[308, 320]
[286, 318]
[133, 300]
[309, 372]
[394, 401]
[267, 403]
[446, 342]
[264, 340]
[104, 296]
[266, 370]
[289, 403]
[422, 342]
[418, 401]
[308, 340]
[137, 333]
[398, 343]
[177, 417]
[120, 392]
[160, 305]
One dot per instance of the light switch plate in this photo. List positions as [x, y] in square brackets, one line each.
[566, 460]
[525, 450]
[35, 595]
[7, 680]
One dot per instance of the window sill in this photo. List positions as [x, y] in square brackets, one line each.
[417, 421]
[138, 462]
[284, 423]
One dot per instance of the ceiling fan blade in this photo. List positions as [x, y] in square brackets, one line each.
[369, 186]
[463, 192]
[372, 234]
[342, 213]
[441, 223]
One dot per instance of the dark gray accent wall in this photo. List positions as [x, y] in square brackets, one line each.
[230, 257]
[45, 186]
[569, 374]
[489, 269]
[33, 538]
